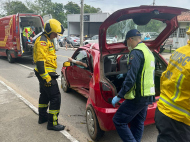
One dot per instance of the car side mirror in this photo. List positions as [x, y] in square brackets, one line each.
[66, 64]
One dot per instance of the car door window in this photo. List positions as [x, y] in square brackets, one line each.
[82, 56]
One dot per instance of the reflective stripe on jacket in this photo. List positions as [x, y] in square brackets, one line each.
[44, 56]
[147, 75]
[29, 31]
[174, 99]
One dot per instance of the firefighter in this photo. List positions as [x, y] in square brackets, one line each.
[45, 59]
[172, 116]
[137, 89]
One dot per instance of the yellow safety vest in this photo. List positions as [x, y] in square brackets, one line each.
[29, 31]
[147, 75]
[44, 52]
[174, 99]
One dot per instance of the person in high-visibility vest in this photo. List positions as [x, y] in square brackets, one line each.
[46, 64]
[137, 89]
[172, 116]
[27, 32]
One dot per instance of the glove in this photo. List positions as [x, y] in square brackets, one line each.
[28, 40]
[119, 76]
[48, 84]
[115, 100]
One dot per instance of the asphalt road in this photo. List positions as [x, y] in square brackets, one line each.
[20, 77]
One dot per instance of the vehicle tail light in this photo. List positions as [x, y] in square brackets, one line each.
[75, 40]
[106, 91]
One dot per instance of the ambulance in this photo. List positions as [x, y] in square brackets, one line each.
[12, 44]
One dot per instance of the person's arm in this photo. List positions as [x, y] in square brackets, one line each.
[77, 62]
[41, 57]
[136, 59]
[26, 31]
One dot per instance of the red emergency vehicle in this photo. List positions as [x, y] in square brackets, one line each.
[11, 34]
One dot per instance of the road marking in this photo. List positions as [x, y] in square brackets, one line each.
[26, 66]
[35, 110]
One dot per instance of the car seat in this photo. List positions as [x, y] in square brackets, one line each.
[107, 65]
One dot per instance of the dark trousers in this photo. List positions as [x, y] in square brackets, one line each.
[49, 95]
[133, 113]
[171, 130]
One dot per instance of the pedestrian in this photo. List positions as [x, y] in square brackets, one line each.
[115, 39]
[45, 59]
[137, 89]
[172, 116]
[27, 32]
[68, 43]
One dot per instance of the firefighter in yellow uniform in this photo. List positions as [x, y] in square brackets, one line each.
[172, 115]
[45, 59]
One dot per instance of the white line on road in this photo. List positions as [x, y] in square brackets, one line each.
[64, 132]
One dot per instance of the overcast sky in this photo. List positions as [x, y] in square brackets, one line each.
[113, 5]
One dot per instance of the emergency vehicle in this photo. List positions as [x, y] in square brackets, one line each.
[11, 34]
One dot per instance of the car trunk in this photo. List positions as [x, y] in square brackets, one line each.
[117, 64]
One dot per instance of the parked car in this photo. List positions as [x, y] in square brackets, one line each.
[93, 39]
[98, 82]
[75, 41]
[61, 40]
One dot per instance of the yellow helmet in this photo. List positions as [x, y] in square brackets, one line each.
[53, 25]
[188, 32]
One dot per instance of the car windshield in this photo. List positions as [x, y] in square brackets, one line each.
[148, 32]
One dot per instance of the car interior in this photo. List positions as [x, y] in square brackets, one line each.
[117, 64]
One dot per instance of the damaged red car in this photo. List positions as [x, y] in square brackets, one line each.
[106, 60]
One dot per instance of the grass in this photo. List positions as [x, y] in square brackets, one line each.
[168, 51]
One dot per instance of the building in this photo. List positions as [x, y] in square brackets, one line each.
[92, 22]
[179, 36]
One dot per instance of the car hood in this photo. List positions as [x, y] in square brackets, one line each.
[140, 15]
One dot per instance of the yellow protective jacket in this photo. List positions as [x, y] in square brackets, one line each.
[44, 56]
[174, 99]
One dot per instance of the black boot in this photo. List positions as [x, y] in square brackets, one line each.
[56, 127]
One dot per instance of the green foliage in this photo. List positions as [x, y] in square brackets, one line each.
[13, 7]
[44, 7]
[91, 9]
[72, 8]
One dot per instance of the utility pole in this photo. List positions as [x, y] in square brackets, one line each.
[81, 22]
[153, 2]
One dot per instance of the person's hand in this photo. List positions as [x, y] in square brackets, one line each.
[115, 100]
[119, 76]
[70, 59]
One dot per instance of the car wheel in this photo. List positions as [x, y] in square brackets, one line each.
[64, 84]
[60, 44]
[9, 57]
[92, 124]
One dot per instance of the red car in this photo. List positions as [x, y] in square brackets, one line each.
[98, 82]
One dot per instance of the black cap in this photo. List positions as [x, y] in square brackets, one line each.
[132, 33]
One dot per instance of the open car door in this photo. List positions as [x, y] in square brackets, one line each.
[121, 21]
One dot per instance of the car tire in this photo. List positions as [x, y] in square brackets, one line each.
[60, 44]
[92, 124]
[64, 84]
[9, 57]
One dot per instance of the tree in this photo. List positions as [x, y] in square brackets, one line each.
[91, 9]
[41, 7]
[72, 8]
[58, 13]
[13, 7]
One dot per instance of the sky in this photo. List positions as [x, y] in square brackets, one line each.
[111, 6]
